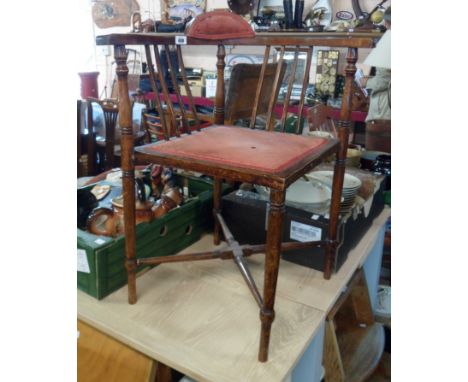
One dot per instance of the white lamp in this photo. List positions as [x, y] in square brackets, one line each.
[380, 56]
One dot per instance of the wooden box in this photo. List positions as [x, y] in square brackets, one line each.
[101, 259]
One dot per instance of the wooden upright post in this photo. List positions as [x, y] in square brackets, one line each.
[272, 257]
[127, 165]
[219, 101]
[340, 163]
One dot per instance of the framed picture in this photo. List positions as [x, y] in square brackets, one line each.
[298, 76]
[113, 13]
[327, 66]
[175, 11]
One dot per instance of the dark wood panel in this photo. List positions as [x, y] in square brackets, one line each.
[350, 39]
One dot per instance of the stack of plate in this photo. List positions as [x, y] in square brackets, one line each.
[304, 193]
[308, 193]
[351, 186]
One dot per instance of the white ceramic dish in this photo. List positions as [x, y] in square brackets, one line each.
[308, 192]
[303, 192]
[350, 181]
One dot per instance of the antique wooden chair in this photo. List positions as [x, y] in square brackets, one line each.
[105, 145]
[79, 149]
[107, 142]
[238, 154]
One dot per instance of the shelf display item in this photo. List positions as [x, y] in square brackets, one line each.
[351, 186]
[327, 66]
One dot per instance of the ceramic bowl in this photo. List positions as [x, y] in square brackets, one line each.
[303, 193]
[350, 183]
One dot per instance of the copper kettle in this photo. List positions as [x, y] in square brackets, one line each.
[110, 221]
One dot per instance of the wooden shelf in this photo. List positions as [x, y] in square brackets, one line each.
[361, 350]
[354, 342]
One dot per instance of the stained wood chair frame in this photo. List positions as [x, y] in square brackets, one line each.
[110, 110]
[277, 182]
[319, 118]
[107, 148]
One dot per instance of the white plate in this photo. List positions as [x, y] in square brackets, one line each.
[100, 190]
[350, 181]
[305, 192]
[350, 190]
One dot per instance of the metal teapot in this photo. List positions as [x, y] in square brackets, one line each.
[110, 221]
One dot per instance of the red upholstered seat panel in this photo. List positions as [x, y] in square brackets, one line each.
[268, 152]
[220, 25]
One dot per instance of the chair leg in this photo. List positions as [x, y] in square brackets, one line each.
[272, 256]
[338, 177]
[216, 210]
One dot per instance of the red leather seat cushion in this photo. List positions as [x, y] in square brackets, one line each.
[219, 25]
[268, 152]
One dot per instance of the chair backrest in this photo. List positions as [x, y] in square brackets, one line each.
[253, 90]
[174, 118]
[242, 88]
[218, 35]
[110, 108]
[134, 67]
[155, 128]
[103, 123]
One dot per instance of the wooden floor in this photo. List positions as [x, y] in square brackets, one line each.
[382, 373]
[102, 358]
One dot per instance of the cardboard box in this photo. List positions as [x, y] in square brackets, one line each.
[196, 87]
[245, 216]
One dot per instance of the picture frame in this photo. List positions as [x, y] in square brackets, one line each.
[175, 11]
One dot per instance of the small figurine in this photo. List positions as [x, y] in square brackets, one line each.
[148, 25]
[156, 172]
[321, 13]
[136, 22]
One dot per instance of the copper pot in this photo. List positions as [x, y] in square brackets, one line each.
[110, 221]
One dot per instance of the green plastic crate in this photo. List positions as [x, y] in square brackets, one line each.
[167, 235]
[387, 198]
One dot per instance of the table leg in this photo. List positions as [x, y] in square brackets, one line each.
[272, 257]
[216, 210]
[163, 373]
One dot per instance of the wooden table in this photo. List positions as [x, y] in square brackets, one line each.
[199, 319]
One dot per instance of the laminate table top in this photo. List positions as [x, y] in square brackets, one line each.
[200, 318]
